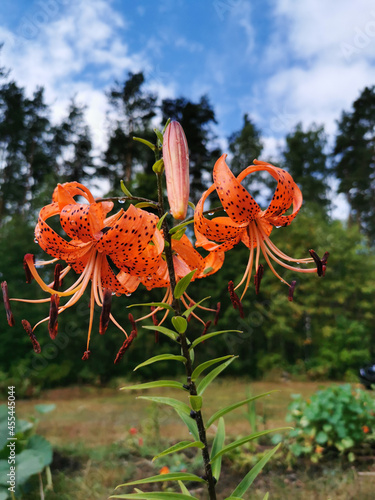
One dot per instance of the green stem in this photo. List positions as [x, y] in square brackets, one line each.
[184, 345]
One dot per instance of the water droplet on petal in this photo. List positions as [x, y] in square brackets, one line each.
[128, 294]
[36, 240]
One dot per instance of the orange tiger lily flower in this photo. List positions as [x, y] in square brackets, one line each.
[130, 238]
[247, 222]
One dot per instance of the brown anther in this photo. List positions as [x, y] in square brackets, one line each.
[134, 324]
[8, 310]
[258, 278]
[218, 307]
[56, 282]
[30, 333]
[86, 355]
[291, 290]
[29, 276]
[235, 299]
[156, 322]
[318, 262]
[324, 262]
[125, 346]
[206, 327]
[106, 311]
[53, 315]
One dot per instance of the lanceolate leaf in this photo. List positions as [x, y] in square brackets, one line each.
[200, 368]
[191, 309]
[161, 357]
[209, 335]
[230, 408]
[175, 403]
[125, 189]
[217, 445]
[183, 284]
[212, 375]
[145, 204]
[161, 220]
[184, 489]
[155, 495]
[246, 439]
[190, 424]
[247, 481]
[177, 228]
[163, 305]
[152, 385]
[178, 447]
[172, 476]
[166, 331]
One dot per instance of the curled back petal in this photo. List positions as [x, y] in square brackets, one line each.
[287, 193]
[54, 244]
[67, 190]
[237, 202]
[217, 229]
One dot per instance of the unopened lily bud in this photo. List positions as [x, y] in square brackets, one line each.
[176, 164]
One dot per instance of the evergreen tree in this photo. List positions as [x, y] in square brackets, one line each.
[306, 160]
[197, 120]
[245, 146]
[355, 160]
[133, 110]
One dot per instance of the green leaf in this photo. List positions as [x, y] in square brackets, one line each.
[212, 375]
[180, 324]
[266, 496]
[179, 234]
[28, 463]
[246, 439]
[195, 402]
[248, 480]
[183, 284]
[161, 357]
[166, 125]
[161, 220]
[217, 445]
[191, 204]
[184, 489]
[178, 227]
[125, 190]
[145, 204]
[152, 385]
[45, 408]
[42, 448]
[166, 331]
[171, 476]
[190, 424]
[158, 166]
[159, 135]
[179, 447]
[162, 305]
[175, 403]
[209, 335]
[200, 368]
[232, 407]
[191, 309]
[144, 141]
[155, 495]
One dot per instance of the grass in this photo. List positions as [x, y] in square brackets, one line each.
[95, 450]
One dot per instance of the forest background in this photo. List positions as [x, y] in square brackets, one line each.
[326, 333]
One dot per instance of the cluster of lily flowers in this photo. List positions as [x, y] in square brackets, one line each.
[132, 242]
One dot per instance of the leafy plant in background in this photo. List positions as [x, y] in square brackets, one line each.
[339, 419]
[33, 454]
[114, 255]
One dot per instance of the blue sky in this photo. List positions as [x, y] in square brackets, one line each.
[280, 61]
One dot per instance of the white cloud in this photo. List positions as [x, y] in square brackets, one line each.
[78, 51]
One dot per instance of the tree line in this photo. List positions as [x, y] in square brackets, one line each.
[326, 332]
